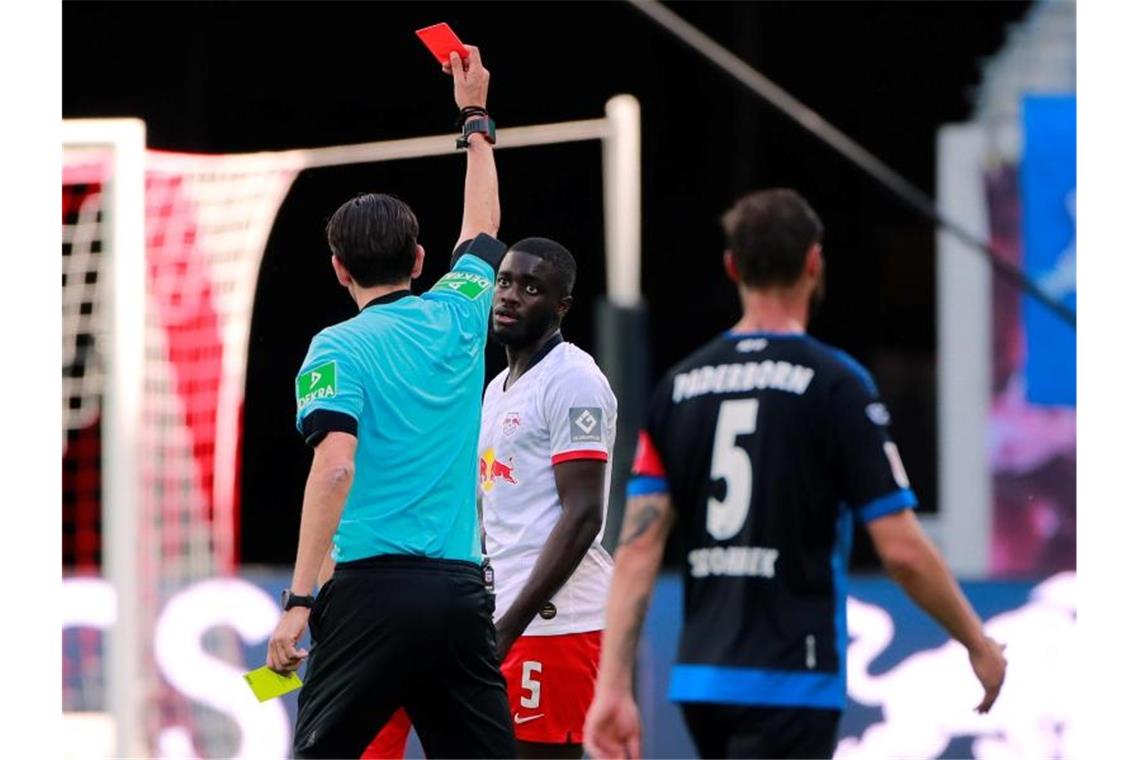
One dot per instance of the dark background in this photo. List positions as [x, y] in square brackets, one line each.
[234, 77]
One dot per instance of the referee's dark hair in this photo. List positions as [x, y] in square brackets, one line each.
[769, 233]
[374, 236]
[555, 254]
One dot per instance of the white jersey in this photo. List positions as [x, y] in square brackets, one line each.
[561, 409]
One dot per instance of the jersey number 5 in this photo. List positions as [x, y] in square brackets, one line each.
[726, 517]
[530, 684]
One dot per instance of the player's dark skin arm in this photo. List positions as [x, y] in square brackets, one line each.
[581, 487]
[581, 490]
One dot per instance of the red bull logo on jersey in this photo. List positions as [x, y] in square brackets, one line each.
[491, 469]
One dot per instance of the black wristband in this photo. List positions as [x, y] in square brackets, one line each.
[484, 125]
[468, 111]
[289, 600]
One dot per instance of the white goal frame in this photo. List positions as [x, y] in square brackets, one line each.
[123, 350]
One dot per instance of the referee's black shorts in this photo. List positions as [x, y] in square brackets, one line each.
[402, 631]
[745, 731]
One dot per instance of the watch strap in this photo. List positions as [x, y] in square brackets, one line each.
[484, 125]
[289, 600]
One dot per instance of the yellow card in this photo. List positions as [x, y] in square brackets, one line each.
[266, 684]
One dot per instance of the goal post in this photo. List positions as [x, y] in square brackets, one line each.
[119, 146]
[621, 322]
[621, 157]
[161, 258]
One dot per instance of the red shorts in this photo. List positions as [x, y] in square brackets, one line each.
[550, 683]
[392, 741]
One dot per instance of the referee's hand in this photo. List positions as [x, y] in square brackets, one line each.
[471, 78]
[284, 656]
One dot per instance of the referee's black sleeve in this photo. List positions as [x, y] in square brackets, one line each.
[320, 422]
[482, 246]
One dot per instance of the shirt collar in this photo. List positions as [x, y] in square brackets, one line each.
[552, 343]
[547, 347]
[392, 297]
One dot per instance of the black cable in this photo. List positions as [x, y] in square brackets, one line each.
[831, 136]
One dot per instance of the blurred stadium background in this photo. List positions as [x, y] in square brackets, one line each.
[183, 416]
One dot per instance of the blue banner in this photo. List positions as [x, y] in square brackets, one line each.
[1049, 208]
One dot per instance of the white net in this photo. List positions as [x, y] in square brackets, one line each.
[82, 248]
[207, 222]
[83, 242]
[85, 174]
[208, 219]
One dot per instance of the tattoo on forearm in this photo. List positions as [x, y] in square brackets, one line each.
[638, 522]
[629, 644]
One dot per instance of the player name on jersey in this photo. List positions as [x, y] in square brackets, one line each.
[740, 561]
[741, 377]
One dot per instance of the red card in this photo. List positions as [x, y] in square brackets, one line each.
[441, 41]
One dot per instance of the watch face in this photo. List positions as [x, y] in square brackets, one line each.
[284, 597]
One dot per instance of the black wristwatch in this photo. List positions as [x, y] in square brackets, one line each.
[485, 125]
[289, 600]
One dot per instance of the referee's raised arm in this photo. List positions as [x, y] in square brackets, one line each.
[481, 187]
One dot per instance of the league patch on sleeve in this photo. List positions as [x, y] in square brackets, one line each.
[316, 383]
[878, 414]
[585, 424]
[470, 285]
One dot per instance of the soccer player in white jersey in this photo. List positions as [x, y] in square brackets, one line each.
[545, 444]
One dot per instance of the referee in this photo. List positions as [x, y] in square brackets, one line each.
[763, 446]
[390, 400]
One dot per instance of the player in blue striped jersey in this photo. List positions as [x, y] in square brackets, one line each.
[762, 447]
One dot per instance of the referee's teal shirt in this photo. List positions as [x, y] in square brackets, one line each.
[405, 375]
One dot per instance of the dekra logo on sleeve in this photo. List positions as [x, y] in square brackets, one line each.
[315, 384]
